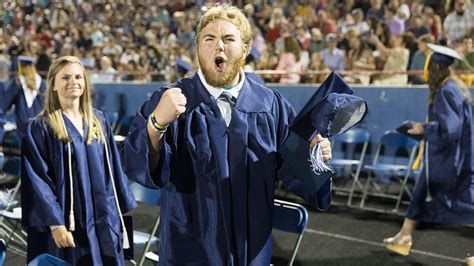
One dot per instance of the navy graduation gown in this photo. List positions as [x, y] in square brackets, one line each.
[45, 194]
[450, 163]
[217, 183]
[14, 95]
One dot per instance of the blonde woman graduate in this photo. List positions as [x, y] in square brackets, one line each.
[74, 191]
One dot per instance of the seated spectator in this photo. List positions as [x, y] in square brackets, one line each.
[316, 44]
[333, 57]
[359, 24]
[303, 36]
[396, 59]
[106, 73]
[316, 64]
[290, 61]
[465, 49]
[417, 26]
[419, 59]
[458, 23]
[359, 59]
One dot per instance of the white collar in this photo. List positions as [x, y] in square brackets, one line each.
[30, 95]
[216, 92]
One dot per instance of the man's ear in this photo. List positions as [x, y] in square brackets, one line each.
[247, 48]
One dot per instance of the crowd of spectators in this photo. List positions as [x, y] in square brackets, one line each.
[141, 40]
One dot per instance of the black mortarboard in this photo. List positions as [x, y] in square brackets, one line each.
[443, 55]
[26, 60]
[407, 125]
[182, 67]
[254, 55]
[331, 110]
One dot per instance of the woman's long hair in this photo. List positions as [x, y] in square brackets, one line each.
[52, 109]
[438, 74]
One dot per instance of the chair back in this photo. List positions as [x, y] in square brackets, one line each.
[145, 195]
[47, 260]
[396, 148]
[354, 135]
[289, 217]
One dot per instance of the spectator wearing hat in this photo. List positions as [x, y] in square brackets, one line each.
[334, 58]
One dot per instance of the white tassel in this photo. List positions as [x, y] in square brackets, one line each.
[318, 164]
[72, 223]
[126, 243]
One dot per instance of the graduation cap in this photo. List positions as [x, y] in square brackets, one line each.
[26, 60]
[407, 125]
[182, 67]
[331, 110]
[254, 55]
[443, 55]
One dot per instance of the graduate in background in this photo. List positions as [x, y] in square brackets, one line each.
[211, 143]
[443, 192]
[26, 93]
[73, 190]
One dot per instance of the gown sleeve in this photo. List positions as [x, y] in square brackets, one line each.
[39, 201]
[8, 94]
[135, 152]
[445, 125]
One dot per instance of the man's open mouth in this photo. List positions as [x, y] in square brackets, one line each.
[219, 63]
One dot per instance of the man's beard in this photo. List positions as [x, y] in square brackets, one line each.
[232, 70]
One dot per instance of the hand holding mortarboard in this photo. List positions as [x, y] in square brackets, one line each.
[330, 111]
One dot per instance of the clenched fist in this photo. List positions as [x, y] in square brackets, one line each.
[171, 106]
[63, 238]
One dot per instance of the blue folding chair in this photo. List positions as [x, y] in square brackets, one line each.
[290, 217]
[393, 160]
[150, 197]
[47, 260]
[348, 151]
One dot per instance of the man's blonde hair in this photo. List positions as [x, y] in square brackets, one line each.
[52, 109]
[228, 13]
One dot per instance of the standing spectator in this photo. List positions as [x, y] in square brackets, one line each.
[334, 58]
[459, 23]
[276, 25]
[396, 59]
[290, 61]
[303, 36]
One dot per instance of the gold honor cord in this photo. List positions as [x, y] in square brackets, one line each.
[425, 68]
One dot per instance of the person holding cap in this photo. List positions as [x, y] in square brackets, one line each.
[211, 142]
[25, 92]
[443, 191]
